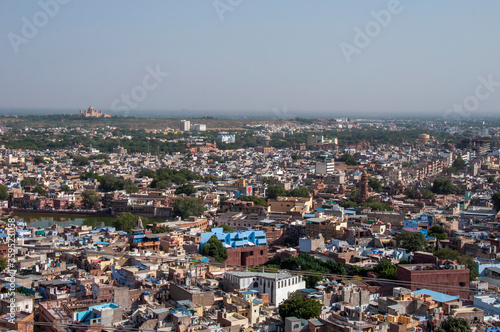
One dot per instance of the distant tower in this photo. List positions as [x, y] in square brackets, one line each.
[364, 187]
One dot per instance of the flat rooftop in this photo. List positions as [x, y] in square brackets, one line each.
[430, 266]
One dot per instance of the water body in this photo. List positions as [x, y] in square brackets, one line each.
[46, 220]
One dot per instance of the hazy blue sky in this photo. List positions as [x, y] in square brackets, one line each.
[262, 55]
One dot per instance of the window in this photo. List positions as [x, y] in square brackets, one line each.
[462, 284]
[262, 252]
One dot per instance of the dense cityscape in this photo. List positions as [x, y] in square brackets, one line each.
[249, 166]
[203, 224]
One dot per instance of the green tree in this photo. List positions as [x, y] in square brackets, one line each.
[453, 324]
[185, 207]
[110, 183]
[375, 184]
[222, 200]
[3, 264]
[438, 232]
[453, 255]
[274, 192]
[90, 175]
[211, 178]
[79, 160]
[348, 204]
[299, 192]
[39, 190]
[215, 249]
[458, 163]
[427, 194]
[496, 200]
[256, 200]
[65, 188]
[4, 194]
[269, 180]
[226, 228]
[412, 241]
[348, 159]
[410, 193]
[38, 160]
[28, 182]
[160, 185]
[187, 189]
[298, 306]
[90, 199]
[386, 270]
[146, 173]
[444, 186]
[312, 280]
[126, 221]
[491, 179]
[129, 186]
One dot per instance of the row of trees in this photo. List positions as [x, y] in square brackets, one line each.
[276, 191]
[163, 177]
[372, 202]
[306, 262]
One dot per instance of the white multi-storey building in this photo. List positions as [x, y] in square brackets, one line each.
[199, 127]
[278, 285]
[185, 125]
[325, 167]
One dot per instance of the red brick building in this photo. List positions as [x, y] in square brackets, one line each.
[247, 256]
[449, 279]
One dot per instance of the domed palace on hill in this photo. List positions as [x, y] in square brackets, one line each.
[92, 113]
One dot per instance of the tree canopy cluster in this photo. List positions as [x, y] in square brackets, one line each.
[444, 186]
[412, 241]
[458, 165]
[79, 160]
[256, 200]
[4, 194]
[126, 221]
[375, 184]
[348, 159]
[276, 191]
[372, 202]
[185, 207]
[453, 324]
[28, 182]
[298, 306]
[109, 182]
[214, 248]
[450, 254]
[163, 177]
[306, 262]
[438, 232]
[496, 200]
[416, 194]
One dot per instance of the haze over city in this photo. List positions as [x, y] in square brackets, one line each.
[250, 58]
